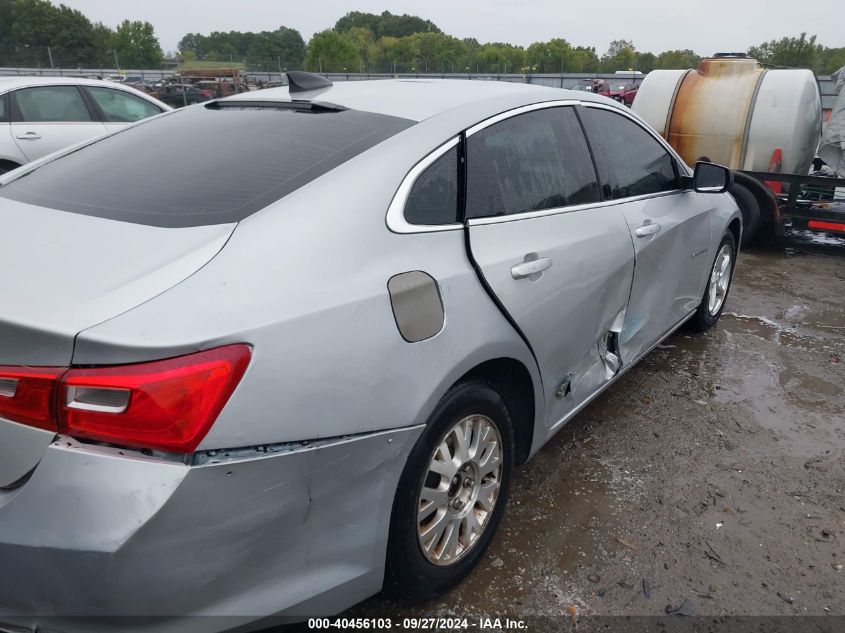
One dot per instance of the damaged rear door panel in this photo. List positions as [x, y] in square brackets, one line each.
[560, 264]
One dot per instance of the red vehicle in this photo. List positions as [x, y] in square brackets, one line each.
[620, 91]
[596, 86]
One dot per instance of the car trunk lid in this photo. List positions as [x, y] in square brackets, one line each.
[66, 272]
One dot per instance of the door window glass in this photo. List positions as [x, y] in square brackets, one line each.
[4, 108]
[630, 160]
[529, 162]
[122, 107]
[47, 104]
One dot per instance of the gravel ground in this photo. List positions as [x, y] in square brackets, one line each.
[710, 477]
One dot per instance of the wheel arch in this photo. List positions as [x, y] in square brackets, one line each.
[514, 383]
[735, 227]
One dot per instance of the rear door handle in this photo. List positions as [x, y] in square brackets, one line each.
[29, 136]
[648, 228]
[532, 267]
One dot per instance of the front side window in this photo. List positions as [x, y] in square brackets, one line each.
[122, 107]
[434, 196]
[630, 160]
[529, 162]
[50, 104]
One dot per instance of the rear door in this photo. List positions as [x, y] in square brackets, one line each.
[119, 108]
[670, 226]
[46, 119]
[559, 262]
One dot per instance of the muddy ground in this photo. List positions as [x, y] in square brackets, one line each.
[713, 473]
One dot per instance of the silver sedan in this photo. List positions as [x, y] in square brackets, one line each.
[268, 355]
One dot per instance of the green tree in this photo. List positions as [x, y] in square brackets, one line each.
[386, 25]
[620, 55]
[832, 59]
[677, 60]
[330, 51]
[646, 62]
[587, 61]
[500, 58]
[137, 45]
[792, 52]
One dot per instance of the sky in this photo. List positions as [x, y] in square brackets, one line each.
[654, 25]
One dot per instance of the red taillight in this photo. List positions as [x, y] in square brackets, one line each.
[168, 405]
[26, 395]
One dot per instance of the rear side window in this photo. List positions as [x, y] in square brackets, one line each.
[121, 107]
[530, 162]
[4, 108]
[630, 160]
[434, 197]
[50, 104]
[203, 165]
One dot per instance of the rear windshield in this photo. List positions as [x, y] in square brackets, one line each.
[203, 165]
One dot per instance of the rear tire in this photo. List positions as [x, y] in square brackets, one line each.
[421, 562]
[718, 285]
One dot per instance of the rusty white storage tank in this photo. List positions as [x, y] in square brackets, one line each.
[734, 112]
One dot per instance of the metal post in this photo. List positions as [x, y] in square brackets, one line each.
[116, 63]
[50, 54]
[279, 59]
[232, 70]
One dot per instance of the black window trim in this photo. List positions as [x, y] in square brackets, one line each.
[17, 116]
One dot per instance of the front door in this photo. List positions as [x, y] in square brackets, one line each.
[559, 262]
[669, 226]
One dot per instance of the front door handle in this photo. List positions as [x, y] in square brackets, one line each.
[29, 136]
[648, 228]
[531, 268]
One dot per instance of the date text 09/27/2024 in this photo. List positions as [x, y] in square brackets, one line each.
[418, 624]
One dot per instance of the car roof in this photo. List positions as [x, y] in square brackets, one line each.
[417, 99]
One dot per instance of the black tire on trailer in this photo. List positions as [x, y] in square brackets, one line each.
[750, 209]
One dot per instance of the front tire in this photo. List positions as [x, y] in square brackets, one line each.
[452, 493]
[718, 285]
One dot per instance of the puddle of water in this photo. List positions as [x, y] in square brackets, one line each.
[770, 330]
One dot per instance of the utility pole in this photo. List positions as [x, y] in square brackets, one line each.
[116, 63]
[50, 54]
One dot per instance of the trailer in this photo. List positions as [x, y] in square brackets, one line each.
[765, 124]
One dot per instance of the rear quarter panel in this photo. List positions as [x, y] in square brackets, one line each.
[305, 282]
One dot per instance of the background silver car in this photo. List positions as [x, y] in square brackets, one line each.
[42, 115]
[273, 375]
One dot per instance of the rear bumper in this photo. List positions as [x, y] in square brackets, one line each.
[99, 533]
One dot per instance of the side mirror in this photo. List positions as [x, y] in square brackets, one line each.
[712, 178]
